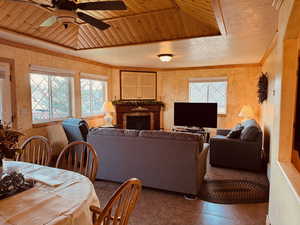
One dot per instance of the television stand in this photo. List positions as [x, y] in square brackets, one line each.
[197, 130]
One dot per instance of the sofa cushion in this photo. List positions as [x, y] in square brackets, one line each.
[235, 132]
[171, 135]
[114, 132]
[251, 130]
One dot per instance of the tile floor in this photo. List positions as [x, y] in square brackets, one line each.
[164, 208]
[156, 207]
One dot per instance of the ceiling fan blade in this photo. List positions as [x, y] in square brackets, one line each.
[104, 5]
[49, 22]
[64, 4]
[93, 21]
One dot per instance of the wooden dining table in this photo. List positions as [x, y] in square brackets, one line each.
[59, 197]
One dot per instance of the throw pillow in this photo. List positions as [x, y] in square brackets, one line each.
[235, 132]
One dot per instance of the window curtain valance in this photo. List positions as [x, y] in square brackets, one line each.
[93, 76]
[51, 71]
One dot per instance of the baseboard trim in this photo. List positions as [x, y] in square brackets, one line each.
[268, 222]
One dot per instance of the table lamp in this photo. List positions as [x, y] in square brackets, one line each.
[246, 112]
[108, 108]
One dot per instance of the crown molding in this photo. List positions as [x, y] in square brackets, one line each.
[50, 52]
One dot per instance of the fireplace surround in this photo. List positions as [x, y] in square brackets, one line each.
[127, 113]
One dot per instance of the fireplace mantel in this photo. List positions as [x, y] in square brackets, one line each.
[142, 109]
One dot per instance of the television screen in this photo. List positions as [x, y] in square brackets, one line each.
[195, 114]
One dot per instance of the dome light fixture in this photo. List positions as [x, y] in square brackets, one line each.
[165, 57]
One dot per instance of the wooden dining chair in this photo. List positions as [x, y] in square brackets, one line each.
[120, 206]
[81, 157]
[35, 149]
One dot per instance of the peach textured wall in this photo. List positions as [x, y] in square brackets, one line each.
[23, 58]
[172, 86]
[242, 90]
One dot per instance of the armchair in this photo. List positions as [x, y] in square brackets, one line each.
[76, 129]
[243, 153]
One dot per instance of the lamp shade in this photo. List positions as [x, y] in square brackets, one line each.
[246, 112]
[108, 107]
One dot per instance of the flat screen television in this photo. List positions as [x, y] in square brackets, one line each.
[195, 114]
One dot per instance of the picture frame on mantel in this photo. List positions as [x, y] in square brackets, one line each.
[138, 85]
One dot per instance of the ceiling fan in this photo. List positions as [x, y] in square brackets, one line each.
[66, 11]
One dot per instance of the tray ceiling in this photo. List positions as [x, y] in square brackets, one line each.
[145, 21]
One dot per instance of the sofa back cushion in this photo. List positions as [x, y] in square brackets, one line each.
[251, 131]
[171, 135]
[115, 132]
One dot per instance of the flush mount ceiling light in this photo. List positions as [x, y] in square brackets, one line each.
[165, 57]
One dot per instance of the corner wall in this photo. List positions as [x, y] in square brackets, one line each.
[172, 86]
[278, 115]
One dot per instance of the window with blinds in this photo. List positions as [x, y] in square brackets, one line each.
[209, 91]
[51, 95]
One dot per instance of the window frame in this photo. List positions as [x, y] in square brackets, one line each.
[91, 77]
[211, 80]
[45, 71]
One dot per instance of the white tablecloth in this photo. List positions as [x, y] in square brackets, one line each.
[65, 204]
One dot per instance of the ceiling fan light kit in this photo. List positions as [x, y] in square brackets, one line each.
[65, 11]
[165, 57]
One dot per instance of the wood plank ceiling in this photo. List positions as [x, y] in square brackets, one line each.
[145, 21]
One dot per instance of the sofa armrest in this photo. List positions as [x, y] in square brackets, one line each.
[233, 143]
[223, 132]
[202, 165]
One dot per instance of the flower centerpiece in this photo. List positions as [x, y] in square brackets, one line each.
[8, 143]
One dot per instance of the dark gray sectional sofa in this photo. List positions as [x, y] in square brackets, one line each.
[244, 152]
[164, 160]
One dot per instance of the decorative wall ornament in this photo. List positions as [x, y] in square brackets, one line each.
[262, 88]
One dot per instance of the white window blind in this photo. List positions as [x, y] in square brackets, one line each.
[93, 95]
[209, 91]
[51, 94]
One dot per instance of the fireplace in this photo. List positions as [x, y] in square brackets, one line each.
[141, 117]
[138, 122]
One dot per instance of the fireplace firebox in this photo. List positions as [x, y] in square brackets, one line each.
[141, 117]
[138, 122]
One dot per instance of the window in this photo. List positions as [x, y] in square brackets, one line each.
[210, 91]
[93, 95]
[2, 76]
[51, 97]
[5, 94]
